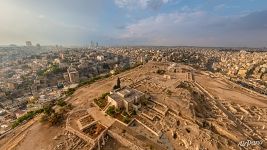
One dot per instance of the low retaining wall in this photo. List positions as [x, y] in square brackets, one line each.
[82, 136]
[203, 90]
[124, 141]
[157, 134]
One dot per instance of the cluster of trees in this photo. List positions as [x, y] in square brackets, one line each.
[70, 91]
[102, 100]
[113, 112]
[51, 116]
[49, 113]
[52, 69]
[61, 103]
[26, 117]
[126, 117]
[55, 114]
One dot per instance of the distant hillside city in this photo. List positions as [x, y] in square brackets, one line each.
[33, 76]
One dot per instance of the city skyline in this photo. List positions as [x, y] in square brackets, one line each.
[135, 22]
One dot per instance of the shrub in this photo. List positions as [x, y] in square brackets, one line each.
[70, 91]
[56, 118]
[69, 106]
[161, 72]
[126, 119]
[101, 101]
[103, 96]
[55, 115]
[144, 103]
[134, 112]
[169, 93]
[117, 110]
[124, 113]
[61, 102]
[48, 110]
[111, 111]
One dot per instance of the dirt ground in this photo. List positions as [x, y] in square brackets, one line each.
[225, 91]
[85, 95]
[39, 136]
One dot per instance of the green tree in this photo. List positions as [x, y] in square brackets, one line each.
[118, 83]
[126, 119]
[61, 102]
[111, 111]
[48, 110]
[56, 118]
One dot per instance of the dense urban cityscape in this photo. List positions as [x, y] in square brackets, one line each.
[36, 79]
[133, 75]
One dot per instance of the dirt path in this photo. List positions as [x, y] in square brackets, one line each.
[15, 136]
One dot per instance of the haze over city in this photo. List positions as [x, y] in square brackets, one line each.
[238, 23]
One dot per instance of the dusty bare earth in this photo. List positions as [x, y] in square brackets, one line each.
[35, 139]
[226, 91]
[86, 94]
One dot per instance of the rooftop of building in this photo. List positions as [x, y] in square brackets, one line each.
[126, 93]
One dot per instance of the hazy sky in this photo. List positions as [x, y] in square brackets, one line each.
[135, 22]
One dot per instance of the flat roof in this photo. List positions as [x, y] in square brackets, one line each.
[130, 92]
[116, 97]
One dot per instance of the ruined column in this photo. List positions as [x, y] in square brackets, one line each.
[103, 139]
[98, 142]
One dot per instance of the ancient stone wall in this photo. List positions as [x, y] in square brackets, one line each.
[124, 141]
